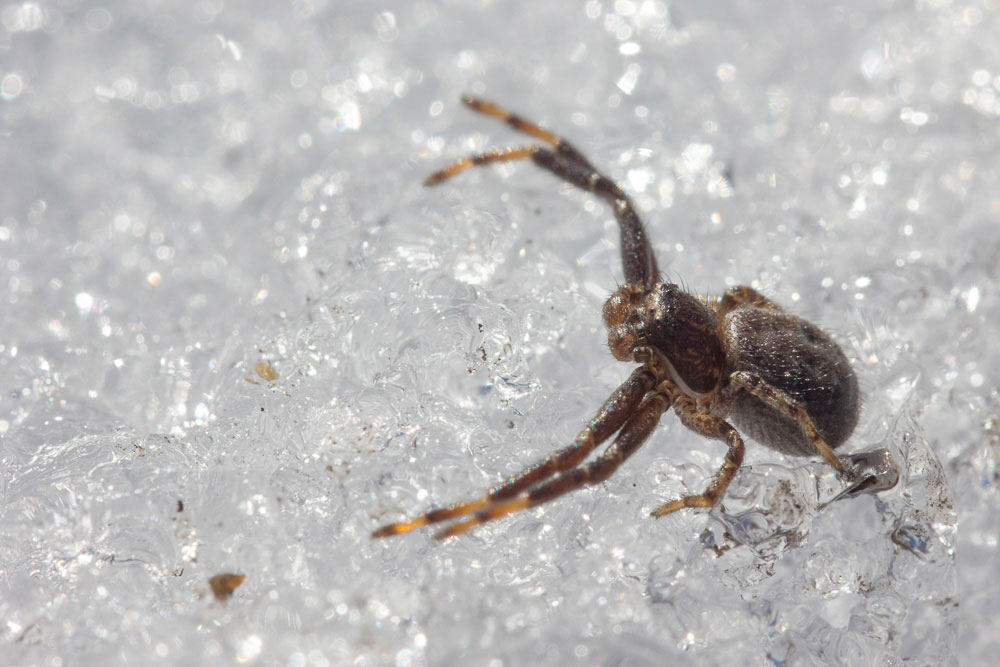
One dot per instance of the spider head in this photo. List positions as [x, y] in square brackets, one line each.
[670, 320]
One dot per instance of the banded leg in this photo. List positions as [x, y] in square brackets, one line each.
[779, 400]
[480, 159]
[638, 260]
[710, 426]
[488, 108]
[567, 163]
[632, 436]
[612, 415]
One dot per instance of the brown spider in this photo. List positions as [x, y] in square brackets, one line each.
[780, 379]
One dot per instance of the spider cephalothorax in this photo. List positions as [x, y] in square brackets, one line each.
[682, 328]
[776, 376]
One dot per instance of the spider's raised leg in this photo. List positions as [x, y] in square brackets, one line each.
[612, 415]
[479, 160]
[780, 401]
[637, 255]
[632, 436]
[568, 163]
[520, 124]
[709, 426]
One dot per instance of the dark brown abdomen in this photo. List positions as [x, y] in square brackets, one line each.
[800, 360]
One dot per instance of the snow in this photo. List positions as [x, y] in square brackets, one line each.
[238, 335]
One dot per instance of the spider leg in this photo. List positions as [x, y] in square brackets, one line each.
[568, 163]
[710, 426]
[637, 254]
[779, 400]
[520, 124]
[612, 415]
[480, 159]
[632, 436]
[560, 145]
[741, 294]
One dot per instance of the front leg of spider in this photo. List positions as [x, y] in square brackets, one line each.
[619, 407]
[738, 359]
[629, 439]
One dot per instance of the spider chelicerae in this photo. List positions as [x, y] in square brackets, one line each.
[739, 358]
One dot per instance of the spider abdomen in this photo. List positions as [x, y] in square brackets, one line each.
[798, 359]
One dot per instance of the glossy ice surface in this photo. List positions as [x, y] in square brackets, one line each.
[237, 335]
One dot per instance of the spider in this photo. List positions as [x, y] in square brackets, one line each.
[733, 361]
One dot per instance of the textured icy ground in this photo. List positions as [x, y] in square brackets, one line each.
[237, 335]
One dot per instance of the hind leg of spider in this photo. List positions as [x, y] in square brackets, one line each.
[632, 436]
[612, 415]
[713, 427]
[781, 401]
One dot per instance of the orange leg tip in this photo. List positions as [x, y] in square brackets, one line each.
[667, 508]
[664, 510]
[435, 178]
[482, 106]
[386, 531]
[399, 528]
[688, 502]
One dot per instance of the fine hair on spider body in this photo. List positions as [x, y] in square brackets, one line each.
[738, 361]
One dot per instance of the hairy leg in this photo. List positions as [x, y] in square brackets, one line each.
[613, 414]
[710, 426]
[479, 160]
[632, 436]
[779, 400]
[567, 163]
